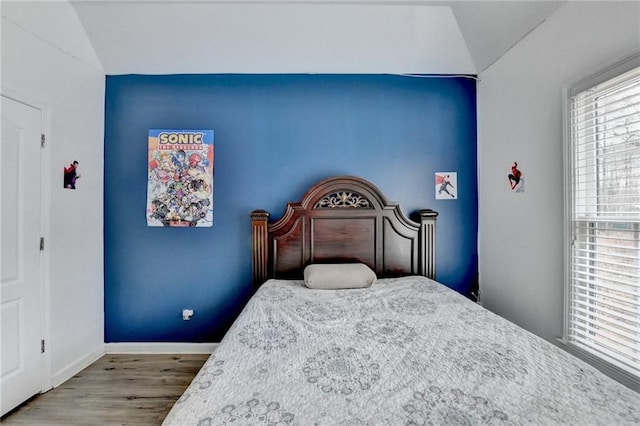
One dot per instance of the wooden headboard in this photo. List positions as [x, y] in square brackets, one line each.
[343, 219]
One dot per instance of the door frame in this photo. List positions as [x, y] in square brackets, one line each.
[45, 208]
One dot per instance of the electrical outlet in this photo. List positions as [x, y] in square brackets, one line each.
[187, 314]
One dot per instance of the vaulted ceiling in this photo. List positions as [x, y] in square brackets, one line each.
[322, 36]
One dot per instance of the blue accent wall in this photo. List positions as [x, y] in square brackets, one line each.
[275, 136]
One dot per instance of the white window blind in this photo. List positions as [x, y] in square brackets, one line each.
[603, 312]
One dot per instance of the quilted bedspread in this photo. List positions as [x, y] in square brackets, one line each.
[404, 351]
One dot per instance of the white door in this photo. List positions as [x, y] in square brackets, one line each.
[20, 269]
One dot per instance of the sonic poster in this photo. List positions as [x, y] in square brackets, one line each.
[180, 185]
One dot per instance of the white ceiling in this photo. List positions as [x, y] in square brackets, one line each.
[314, 36]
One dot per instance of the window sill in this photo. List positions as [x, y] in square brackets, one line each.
[610, 370]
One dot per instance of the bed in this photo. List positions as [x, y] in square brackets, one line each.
[405, 350]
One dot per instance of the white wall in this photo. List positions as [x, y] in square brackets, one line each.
[520, 119]
[47, 61]
[164, 37]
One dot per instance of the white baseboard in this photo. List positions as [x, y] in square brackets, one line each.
[159, 348]
[77, 366]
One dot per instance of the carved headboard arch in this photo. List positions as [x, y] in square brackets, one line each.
[342, 219]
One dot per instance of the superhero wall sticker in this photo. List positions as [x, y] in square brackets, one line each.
[180, 178]
[446, 185]
[71, 175]
[516, 179]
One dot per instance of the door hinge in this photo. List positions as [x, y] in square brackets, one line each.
[42, 138]
[42, 346]
[41, 243]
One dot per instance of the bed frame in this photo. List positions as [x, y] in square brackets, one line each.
[343, 219]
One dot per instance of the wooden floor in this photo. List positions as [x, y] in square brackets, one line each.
[115, 390]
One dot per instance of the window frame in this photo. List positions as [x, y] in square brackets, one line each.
[593, 79]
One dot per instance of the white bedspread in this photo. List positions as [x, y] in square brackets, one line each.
[405, 351]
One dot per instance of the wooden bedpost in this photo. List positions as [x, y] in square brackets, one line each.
[259, 256]
[428, 243]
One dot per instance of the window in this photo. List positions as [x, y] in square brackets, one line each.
[603, 295]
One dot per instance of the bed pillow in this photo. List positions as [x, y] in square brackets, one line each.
[333, 276]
